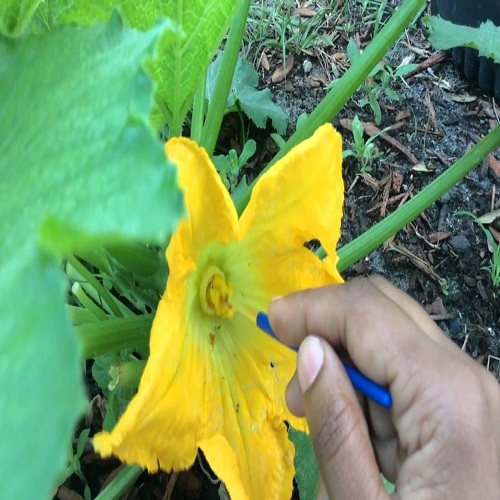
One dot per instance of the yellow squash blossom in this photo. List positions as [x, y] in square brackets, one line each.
[213, 381]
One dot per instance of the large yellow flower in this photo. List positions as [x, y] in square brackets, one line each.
[214, 381]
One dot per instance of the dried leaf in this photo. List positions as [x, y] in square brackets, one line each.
[489, 217]
[437, 307]
[420, 167]
[312, 82]
[304, 12]
[403, 115]
[463, 98]
[397, 182]
[494, 165]
[417, 261]
[282, 72]
[372, 130]
[346, 123]
[495, 234]
[264, 61]
[320, 79]
[439, 236]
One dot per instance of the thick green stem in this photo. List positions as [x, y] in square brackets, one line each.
[126, 374]
[79, 315]
[345, 87]
[217, 104]
[198, 111]
[121, 483]
[360, 247]
[114, 335]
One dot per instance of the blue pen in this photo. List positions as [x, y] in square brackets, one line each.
[359, 381]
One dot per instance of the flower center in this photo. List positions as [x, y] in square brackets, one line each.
[215, 292]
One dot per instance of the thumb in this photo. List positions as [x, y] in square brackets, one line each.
[339, 431]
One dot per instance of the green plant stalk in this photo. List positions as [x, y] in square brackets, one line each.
[87, 303]
[198, 111]
[361, 246]
[345, 87]
[217, 104]
[112, 335]
[96, 284]
[121, 483]
[126, 375]
[79, 315]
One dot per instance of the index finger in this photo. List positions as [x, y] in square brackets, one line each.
[381, 338]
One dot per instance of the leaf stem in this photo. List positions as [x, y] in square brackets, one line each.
[198, 110]
[113, 335]
[79, 315]
[87, 302]
[345, 86]
[217, 104]
[96, 285]
[361, 246]
[121, 483]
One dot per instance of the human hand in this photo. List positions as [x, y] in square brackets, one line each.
[441, 438]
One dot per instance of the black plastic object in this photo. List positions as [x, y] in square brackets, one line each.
[472, 13]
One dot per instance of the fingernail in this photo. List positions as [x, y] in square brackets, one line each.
[276, 298]
[310, 361]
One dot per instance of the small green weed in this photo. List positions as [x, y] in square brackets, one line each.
[494, 266]
[374, 12]
[379, 82]
[229, 165]
[364, 151]
[73, 464]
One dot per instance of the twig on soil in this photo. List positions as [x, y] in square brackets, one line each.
[417, 261]
[428, 63]
[372, 130]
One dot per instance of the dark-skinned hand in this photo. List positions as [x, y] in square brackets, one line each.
[441, 438]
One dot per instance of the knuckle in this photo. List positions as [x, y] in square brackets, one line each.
[336, 426]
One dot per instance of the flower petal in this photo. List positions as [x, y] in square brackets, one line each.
[269, 455]
[299, 199]
[212, 215]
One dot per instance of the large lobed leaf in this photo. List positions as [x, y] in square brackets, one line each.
[306, 467]
[256, 104]
[446, 35]
[181, 61]
[79, 166]
[180, 65]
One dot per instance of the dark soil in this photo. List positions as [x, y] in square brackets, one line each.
[438, 131]
[445, 253]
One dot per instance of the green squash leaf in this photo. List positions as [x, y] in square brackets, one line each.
[180, 65]
[446, 35]
[79, 167]
[181, 60]
[306, 467]
[256, 104]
